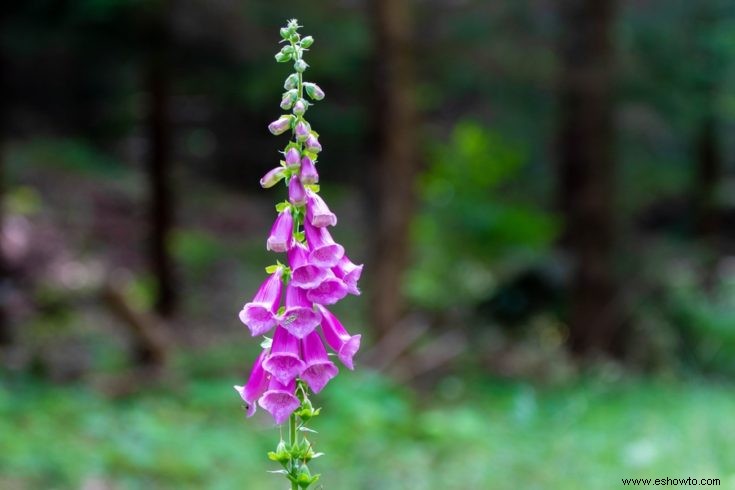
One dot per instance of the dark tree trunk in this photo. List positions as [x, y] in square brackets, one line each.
[586, 173]
[397, 160]
[159, 162]
[708, 175]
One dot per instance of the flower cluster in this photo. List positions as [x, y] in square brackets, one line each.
[317, 272]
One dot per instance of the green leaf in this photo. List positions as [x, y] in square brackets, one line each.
[281, 207]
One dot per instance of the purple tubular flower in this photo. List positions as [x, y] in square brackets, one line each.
[344, 344]
[301, 131]
[296, 192]
[324, 251]
[349, 273]
[292, 157]
[329, 291]
[308, 173]
[280, 400]
[281, 236]
[312, 144]
[256, 385]
[272, 177]
[260, 314]
[299, 318]
[304, 274]
[280, 125]
[319, 369]
[317, 211]
[284, 362]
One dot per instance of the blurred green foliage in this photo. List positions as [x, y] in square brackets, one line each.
[196, 250]
[64, 154]
[707, 322]
[475, 224]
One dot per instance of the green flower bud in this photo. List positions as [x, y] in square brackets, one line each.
[300, 66]
[282, 57]
[314, 91]
[307, 410]
[285, 32]
[307, 41]
[287, 49]
[291, 82]
[304, 478]
[281, 454]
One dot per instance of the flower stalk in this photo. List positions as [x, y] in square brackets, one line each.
[295, 362]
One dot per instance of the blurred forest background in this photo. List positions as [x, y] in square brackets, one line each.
[542, 192]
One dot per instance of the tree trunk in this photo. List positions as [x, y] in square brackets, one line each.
[159, 163]
[707, 179]
[397, 160]
[586, 173]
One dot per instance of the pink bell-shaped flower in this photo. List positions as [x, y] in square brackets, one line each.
[299, 318]
[324, 251]
[304, 274]
[284, 361]
[256, 385]
[319, 369]
[281, 236]
[349, 273]
[344, 344]
[260, 314]
[329, 291]
[280, 400]
[317, 211]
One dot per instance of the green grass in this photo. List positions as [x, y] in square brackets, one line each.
[474, 434]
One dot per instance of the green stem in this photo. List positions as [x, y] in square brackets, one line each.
[292, 441]
[299, 144]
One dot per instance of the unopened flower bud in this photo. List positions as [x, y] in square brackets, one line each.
[272, 177]
[299, 108]
[282, 57]
[280, 125]
[292, 157]
[307, 411]
[300, 65]
[291, 82]
[307, 41]
[285, 32]
[281, 454]
[296, 192]
[288, 99]
[304, 478]
[312, 144]
[301, 131]
[308, 174]
[314, 91]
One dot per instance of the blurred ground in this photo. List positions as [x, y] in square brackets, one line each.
[467, 434]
